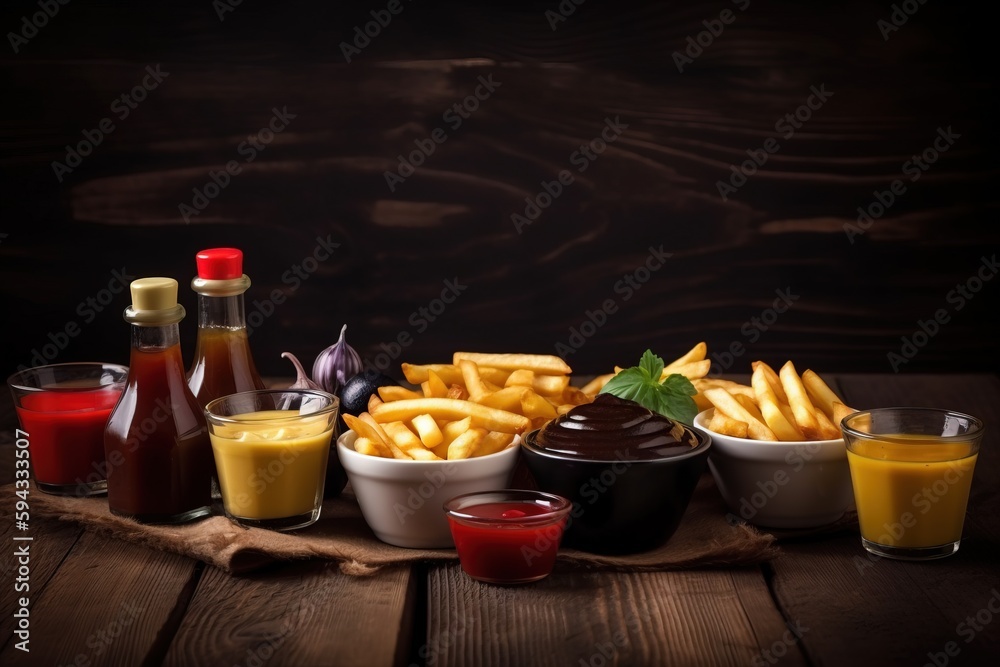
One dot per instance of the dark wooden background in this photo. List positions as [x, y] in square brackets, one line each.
[655, 185]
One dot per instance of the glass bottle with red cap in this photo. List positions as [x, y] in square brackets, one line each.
[222, 364]
[156, 443]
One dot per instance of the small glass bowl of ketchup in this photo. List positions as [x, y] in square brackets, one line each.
[509, 536]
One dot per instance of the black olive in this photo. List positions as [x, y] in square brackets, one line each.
[355, 393]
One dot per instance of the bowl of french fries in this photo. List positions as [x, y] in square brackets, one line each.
[778, 455]
[457, 431]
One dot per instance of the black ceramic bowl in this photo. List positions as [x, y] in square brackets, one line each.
[620, 506]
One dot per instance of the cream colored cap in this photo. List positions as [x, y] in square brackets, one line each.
[154, 302]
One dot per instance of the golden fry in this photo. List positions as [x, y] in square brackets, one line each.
[380, 433]
[428, 430]
[773, 380]
[493, 442]
[728, 385]
[371, 448]
[534, 406]
[464, 446]
[550, 385]
[692, 371]
[473, 381]
[520, 378]
[783, 426]
[840, 411]
[508, 398]
[401, 434]
[434, 387]
[448, 408]
[540, 363]
[416, 374]
[725, 403]
[421, 454]
[803, 410]
[696, 353]
[725, 425]
[819, 392]
[396, 393]
[751, 406]
[457, 391]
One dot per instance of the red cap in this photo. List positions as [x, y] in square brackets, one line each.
[220, 264]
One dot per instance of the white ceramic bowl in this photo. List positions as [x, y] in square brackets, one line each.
[780, 484]
[402, 501]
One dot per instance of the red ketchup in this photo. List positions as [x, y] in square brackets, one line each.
[67, 433]
[507, 537]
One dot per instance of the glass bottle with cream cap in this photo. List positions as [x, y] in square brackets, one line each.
[158, 451]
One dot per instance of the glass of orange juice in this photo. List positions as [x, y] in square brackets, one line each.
[912, 470]
[272, 449]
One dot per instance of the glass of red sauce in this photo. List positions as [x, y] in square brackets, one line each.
[63, 409]
[509, 536]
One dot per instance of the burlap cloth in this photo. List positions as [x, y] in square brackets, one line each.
[706, 538]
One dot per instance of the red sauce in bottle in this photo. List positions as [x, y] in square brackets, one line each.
[156, 442]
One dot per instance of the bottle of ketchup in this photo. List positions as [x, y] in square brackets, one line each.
[222, 363]
[156, 441]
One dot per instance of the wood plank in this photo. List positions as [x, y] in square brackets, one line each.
[880, 611]
[106, 605]
[298, 614]
[586, 618]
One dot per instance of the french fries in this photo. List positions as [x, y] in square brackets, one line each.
[474, 406]
[793, 408]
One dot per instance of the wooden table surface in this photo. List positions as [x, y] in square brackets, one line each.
[96, 601]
